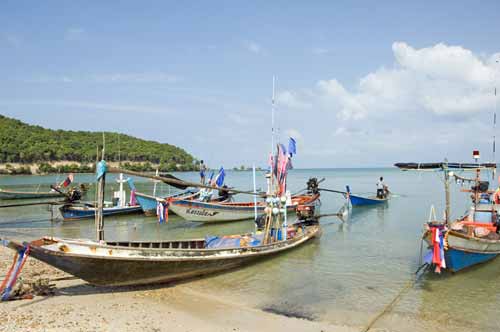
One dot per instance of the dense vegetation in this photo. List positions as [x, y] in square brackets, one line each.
[23, 143]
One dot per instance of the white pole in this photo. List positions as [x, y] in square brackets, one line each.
[155, 182]
[272, 121]
[255, 191]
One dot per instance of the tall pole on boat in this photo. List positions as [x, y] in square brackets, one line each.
[101, 182]
[255, 191]
[495, 113]
[272, 120]
[447, 192]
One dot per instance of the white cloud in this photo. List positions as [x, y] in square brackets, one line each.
[133, 78]
[74, 34]
[11, 39]
[442, 80]
[253, 47]
[291, 99]
[320, 51]
[88, 105]
[148, 77]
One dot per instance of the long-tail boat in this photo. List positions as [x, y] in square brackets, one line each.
[86, 210]
[213, 212]
[469, 240]
[117, 263]
[12, 194]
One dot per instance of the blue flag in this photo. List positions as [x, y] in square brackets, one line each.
[220, 177]
[292, 147]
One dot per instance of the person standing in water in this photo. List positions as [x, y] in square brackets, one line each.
[203, 169]
[381, 188]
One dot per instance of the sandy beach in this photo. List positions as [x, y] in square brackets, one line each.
[78, 306]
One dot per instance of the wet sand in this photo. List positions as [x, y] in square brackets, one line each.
[78, 306]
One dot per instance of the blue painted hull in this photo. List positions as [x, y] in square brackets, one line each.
[364, 201]
[71, 213]
[148, 203]
[457, 260]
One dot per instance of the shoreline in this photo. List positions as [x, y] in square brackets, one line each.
[79, 306]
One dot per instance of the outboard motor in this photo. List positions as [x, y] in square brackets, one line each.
[260, 222]
[73, 195]
[482, 187]
[312, 186]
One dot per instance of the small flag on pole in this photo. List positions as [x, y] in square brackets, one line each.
[68, 180]
[292, 146]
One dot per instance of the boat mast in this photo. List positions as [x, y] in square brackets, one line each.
[495, 117]
[101, 182]
[447, 192]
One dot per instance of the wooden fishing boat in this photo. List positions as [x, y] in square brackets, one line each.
[148, 203]
[210, 212]
[12, 194]
[119, 206]
[356, 200]
[135, 263]
[88, 210]
[471, 239]
[366, 201]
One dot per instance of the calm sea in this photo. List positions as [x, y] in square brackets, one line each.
[346, 277]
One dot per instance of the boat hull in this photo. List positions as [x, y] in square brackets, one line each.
[208, 212]
[108, 265]
[148, 203]
[462, 251]
[365, 201]
[457, 260]
[7, 194]
[76, 213]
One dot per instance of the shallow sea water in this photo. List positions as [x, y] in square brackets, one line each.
[346, 277]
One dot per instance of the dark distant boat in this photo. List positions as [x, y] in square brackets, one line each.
[11, 194]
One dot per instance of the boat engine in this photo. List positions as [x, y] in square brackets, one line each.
[481, 187]
[305, 212]
[73, 195]
[312, 186]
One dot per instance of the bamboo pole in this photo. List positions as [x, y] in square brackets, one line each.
[179, 182]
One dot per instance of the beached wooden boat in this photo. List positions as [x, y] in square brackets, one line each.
[210, 212]
[12, 194]
[135, 263]
[471, 239]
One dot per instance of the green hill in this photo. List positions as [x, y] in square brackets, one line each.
[23, 143]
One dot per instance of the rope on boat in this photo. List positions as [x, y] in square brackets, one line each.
[410, 284]
[13, 273]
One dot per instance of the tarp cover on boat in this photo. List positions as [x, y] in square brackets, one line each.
[232, 241]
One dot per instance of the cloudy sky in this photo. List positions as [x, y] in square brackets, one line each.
[357, 84]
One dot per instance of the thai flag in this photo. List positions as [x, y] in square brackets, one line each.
[68, 180]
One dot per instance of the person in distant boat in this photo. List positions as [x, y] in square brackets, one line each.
[203, 169]
[382, 189]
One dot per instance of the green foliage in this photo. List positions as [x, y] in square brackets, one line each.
[23, 143]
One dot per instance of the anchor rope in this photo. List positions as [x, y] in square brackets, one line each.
[409, 284]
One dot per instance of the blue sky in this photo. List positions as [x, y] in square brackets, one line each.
[358, 83]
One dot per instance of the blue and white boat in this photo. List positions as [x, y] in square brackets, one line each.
[356, 200]
[85, 210]
[469, 240]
